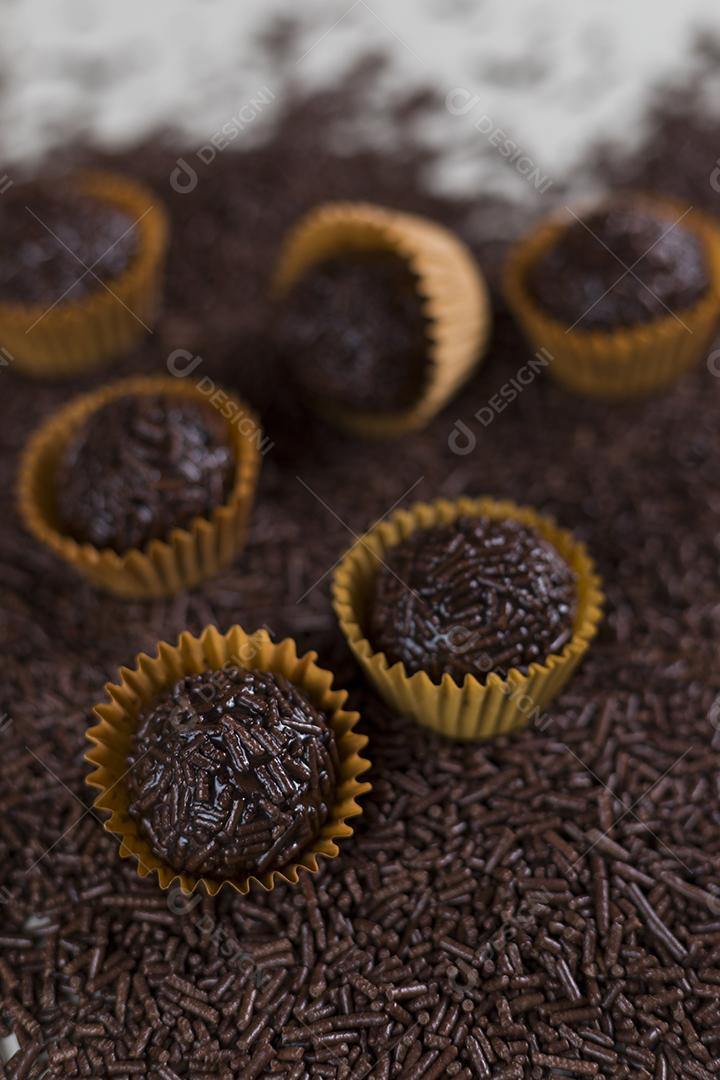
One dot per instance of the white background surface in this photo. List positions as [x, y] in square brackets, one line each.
[554, 74]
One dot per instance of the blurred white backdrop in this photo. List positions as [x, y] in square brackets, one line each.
[553, 75]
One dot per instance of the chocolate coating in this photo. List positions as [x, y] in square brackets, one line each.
[139, 467]
[49, 238]
[231, 772]
[352, 332]
[581, 278]
[472, 597]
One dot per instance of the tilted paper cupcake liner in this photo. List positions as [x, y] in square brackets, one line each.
[627, 362]
[473, 710]
[62, 338]
[152, 676]
[455, 296]
[163, 567]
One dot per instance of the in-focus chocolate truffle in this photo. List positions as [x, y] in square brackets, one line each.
[51, 235]
[352, 332]
[140, 466]
[476, 596]
[231, 772]
[581, 279]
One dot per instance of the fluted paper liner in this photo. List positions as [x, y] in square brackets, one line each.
[629, 361]
[152, 676]
[473, 710]
[61, 338]
[162, 567]
[453, 290]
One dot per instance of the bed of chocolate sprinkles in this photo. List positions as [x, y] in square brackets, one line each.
[476, 596]
[545, 905]
[233, 771]
[141, 466]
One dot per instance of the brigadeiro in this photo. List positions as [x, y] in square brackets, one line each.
[580, 278]
[470, 615]
[624, 295]
[226, 759]
[380, 316]
[475, 596]
[144, 486]
[232, 772]
[80, 270]
[354, 333]
[140, 466]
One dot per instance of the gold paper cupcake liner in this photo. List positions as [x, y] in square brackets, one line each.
[151, 676]
[456, 303]
[473, 710]
[63, 338]
[630, 361]
[163, 567]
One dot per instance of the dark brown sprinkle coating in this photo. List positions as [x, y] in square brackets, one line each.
[449, 831]
[581, 279]
[141, 466]
[476, 596]
[352, 331]
[52, 235]
[231, 772]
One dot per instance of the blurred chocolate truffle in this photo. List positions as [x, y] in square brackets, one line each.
[232, 772]
[621, 265]
[52, 235]
[352, 332]
[140, 466]
[476, 596]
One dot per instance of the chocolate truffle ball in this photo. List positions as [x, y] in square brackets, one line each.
[140, 466]
[51, 235]
[232, 772]
[581, 279]
[352, 332]
[475, 596]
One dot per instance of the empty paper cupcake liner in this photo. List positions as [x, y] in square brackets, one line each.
[69, 337]
[630, 361]
[473, 710]
[455, 296]
[162, 567]
[140, 686]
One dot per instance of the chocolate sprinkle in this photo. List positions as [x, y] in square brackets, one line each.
[456, 843]
[231, 772]
[141, 466]
[476, 596]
